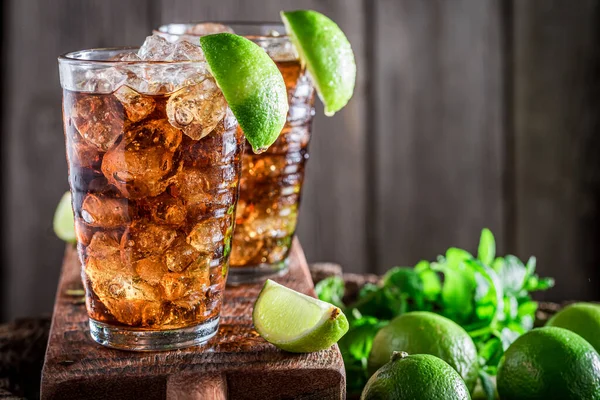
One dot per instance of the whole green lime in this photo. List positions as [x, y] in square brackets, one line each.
[422, 332]
[581, 318]
[415, 377]
[549, 363]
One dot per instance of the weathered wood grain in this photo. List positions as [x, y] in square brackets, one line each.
[333, 223]
[438, 127]
[237, 361]
[33, 149]
[557, 146]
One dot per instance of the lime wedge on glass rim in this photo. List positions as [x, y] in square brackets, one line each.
[296, 322]
[251, 84]
[64, 223]
[327, 53]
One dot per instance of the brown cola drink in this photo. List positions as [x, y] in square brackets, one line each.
[154, 159]
[271, 183]
[271, 186]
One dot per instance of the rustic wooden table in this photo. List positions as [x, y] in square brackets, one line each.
[236, 364]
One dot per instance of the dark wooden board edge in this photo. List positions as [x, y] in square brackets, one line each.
[237, 361]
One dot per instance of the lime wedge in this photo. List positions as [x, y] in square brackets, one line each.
[64, 224]
[296, 322]
[327, 53]
[251, 84]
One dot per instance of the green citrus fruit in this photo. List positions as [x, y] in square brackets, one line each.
[415, 377]
[549, 363]
[251, 84]
[581, 318]
[424, 332]
[327, 53]
[296, 322]
[64, 223]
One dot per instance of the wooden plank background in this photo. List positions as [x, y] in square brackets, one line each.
[467, 113]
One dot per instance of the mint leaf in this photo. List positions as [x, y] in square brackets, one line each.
[407, 281]
[489, 294]
[457, 291]
[331, 290]
[355, 347]
[512, 274]
[455, 257]
[491, 352]
[487, 385]
[487, 247]
[432, 285]
[527, 309]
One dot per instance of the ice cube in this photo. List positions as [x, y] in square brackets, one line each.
[80, 152]
[300, 114]
[176, 286]
[157, 48]
[185, 311]
[84, 232]
[98, 118]
[102, 81]
[197, 109]
[84, 154]
[270, 226]
[217, 148]
[265, 166]
[181, 255]
[165, 209]
[104, 245]
[208, 28]
[279, 49]
[192, 186]
[154, 48]
[144, 239]
[206, 236]
[203, 192]
[105, 212]
[137, 313]
[127, 56]
[137, 106]
[185, 51]
[101, 271]
[243, 251]
[142, 163]
[303, 91]
[131, 300]
[277, 249]
[151, 269]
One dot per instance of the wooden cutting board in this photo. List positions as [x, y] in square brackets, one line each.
[235, 364]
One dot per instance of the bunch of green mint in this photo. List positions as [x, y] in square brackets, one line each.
[488, 296]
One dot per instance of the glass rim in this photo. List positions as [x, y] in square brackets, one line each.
[72, 58]
[230, 23]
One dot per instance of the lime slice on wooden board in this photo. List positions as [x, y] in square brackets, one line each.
[64, 223]
[251, 84]
[327, 53]
[296, 322]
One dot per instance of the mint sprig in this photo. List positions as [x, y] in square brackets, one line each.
[489, 296]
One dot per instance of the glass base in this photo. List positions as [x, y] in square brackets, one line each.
[122, 338]
[256, 273]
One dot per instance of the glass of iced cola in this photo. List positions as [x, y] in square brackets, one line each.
[154, 158]
[271, 182]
